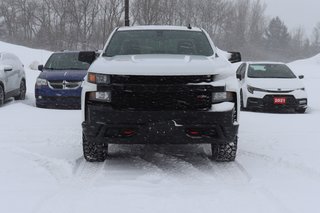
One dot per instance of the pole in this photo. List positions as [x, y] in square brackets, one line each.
[126, 13]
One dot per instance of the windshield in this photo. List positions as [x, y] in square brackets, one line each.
[65, 61]
[158, 42]
[270, 71]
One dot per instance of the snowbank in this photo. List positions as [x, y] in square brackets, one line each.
[26, 55]
[309, 67]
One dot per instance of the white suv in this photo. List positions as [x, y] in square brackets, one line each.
[271, 86]
[12, 78]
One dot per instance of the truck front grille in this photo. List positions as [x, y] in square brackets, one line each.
[182, 100]
[160, 80]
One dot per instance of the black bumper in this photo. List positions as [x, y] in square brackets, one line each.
[59, 102]
[109, 126]
[267, 103]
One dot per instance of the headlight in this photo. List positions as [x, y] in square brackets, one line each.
[218, 97]
[303, 89]
[100, 96]
[253, 89]
[41, 82]
[98, 78]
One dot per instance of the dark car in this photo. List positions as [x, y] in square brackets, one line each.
[60, 80]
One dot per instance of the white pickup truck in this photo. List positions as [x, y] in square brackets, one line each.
[160, 84]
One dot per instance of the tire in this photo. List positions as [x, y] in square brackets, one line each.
[225, 152]
[301, 110]
[2, 95]
[93, 152]
[22, 91]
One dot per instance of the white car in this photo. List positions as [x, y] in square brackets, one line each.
[271, 86]
[12, 78]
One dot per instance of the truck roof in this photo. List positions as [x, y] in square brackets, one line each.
[159, 27]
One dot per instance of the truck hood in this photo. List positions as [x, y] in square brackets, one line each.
[276, 83]
[161, 65]
[58, 75]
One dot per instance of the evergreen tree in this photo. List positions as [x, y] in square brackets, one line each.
[277, 35]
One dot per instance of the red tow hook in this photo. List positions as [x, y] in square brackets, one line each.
[193, 132]
[128, 132]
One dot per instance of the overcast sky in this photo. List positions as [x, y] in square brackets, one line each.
[295, 13]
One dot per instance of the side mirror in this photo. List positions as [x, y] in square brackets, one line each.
[87, 56]
[239, 76]
[7, 68]
[40, 67]
[235, 57]
[301, 76]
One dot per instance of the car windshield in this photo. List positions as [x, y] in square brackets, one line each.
[65, 61]
[270, 71]
[180, 42]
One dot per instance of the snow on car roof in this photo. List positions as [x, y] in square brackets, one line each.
[159, 27]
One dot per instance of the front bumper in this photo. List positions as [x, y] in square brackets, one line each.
[46, 96]
[103, 124]
[267, 103]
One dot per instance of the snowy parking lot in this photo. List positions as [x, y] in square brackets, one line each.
[43, 170]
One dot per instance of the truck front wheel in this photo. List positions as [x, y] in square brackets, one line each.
[93, 152]
[225, 152]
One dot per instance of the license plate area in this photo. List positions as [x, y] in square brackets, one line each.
[279, 100]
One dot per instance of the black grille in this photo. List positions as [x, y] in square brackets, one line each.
[268, 101]
[126, 79]
[182, 100]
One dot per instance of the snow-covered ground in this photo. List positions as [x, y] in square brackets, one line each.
[42, 169]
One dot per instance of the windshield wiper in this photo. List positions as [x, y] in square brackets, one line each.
[74, 68]
[52, 68]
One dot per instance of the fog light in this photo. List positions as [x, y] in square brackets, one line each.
[100, 96]
[218, 97]
[303, 102]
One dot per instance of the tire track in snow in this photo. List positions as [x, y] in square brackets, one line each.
[272, 198]
[221, 171]
[152, 159]
[279, 161]
[57, 168]
[263, 190]
[83, 177]
[130, 156]
[86, 172]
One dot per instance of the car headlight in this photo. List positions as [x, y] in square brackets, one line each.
[218, 97]
[253, 89]
[303, 89]
[96, 78]
[41, 82]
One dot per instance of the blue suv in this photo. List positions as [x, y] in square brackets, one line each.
[59, 83]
